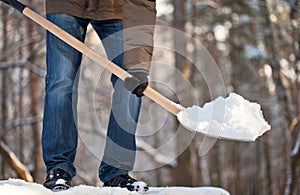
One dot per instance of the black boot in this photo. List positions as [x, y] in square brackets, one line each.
[58, 180]
[125, 181]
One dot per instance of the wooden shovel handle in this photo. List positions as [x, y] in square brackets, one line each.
[110, 66]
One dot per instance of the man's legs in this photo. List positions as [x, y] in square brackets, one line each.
[119, 154]
[59, 136]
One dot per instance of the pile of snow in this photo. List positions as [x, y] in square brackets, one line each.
[232, 118]
[17, 186]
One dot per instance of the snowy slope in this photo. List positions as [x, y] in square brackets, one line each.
[17, 186]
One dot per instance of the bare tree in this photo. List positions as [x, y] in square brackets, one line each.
[182, 173]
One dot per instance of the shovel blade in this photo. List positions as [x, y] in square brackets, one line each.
[232, 118]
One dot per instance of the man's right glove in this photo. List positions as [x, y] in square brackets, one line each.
[138, 82]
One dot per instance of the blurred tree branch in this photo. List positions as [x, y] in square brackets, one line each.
[14, 162]
[23, 63]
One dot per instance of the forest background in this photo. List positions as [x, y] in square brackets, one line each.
[255, 44]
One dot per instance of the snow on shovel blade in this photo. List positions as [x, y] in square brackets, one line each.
[232, 118]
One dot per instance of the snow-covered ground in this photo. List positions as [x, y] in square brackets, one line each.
[17, 186]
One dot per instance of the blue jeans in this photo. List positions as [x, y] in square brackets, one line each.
[60, 135]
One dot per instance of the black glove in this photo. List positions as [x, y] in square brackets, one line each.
[138, 83]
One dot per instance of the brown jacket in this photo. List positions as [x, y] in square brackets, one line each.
[138, 18]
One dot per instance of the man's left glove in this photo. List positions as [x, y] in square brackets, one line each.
[138, 83]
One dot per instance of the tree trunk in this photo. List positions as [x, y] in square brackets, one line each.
[237, 168]
[4, 78]
[183, 174]
[259, 170]
[295, 127]
[33, 84]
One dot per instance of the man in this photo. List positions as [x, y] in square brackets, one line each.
[59, 136]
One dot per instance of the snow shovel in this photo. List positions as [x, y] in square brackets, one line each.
[233, 118]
